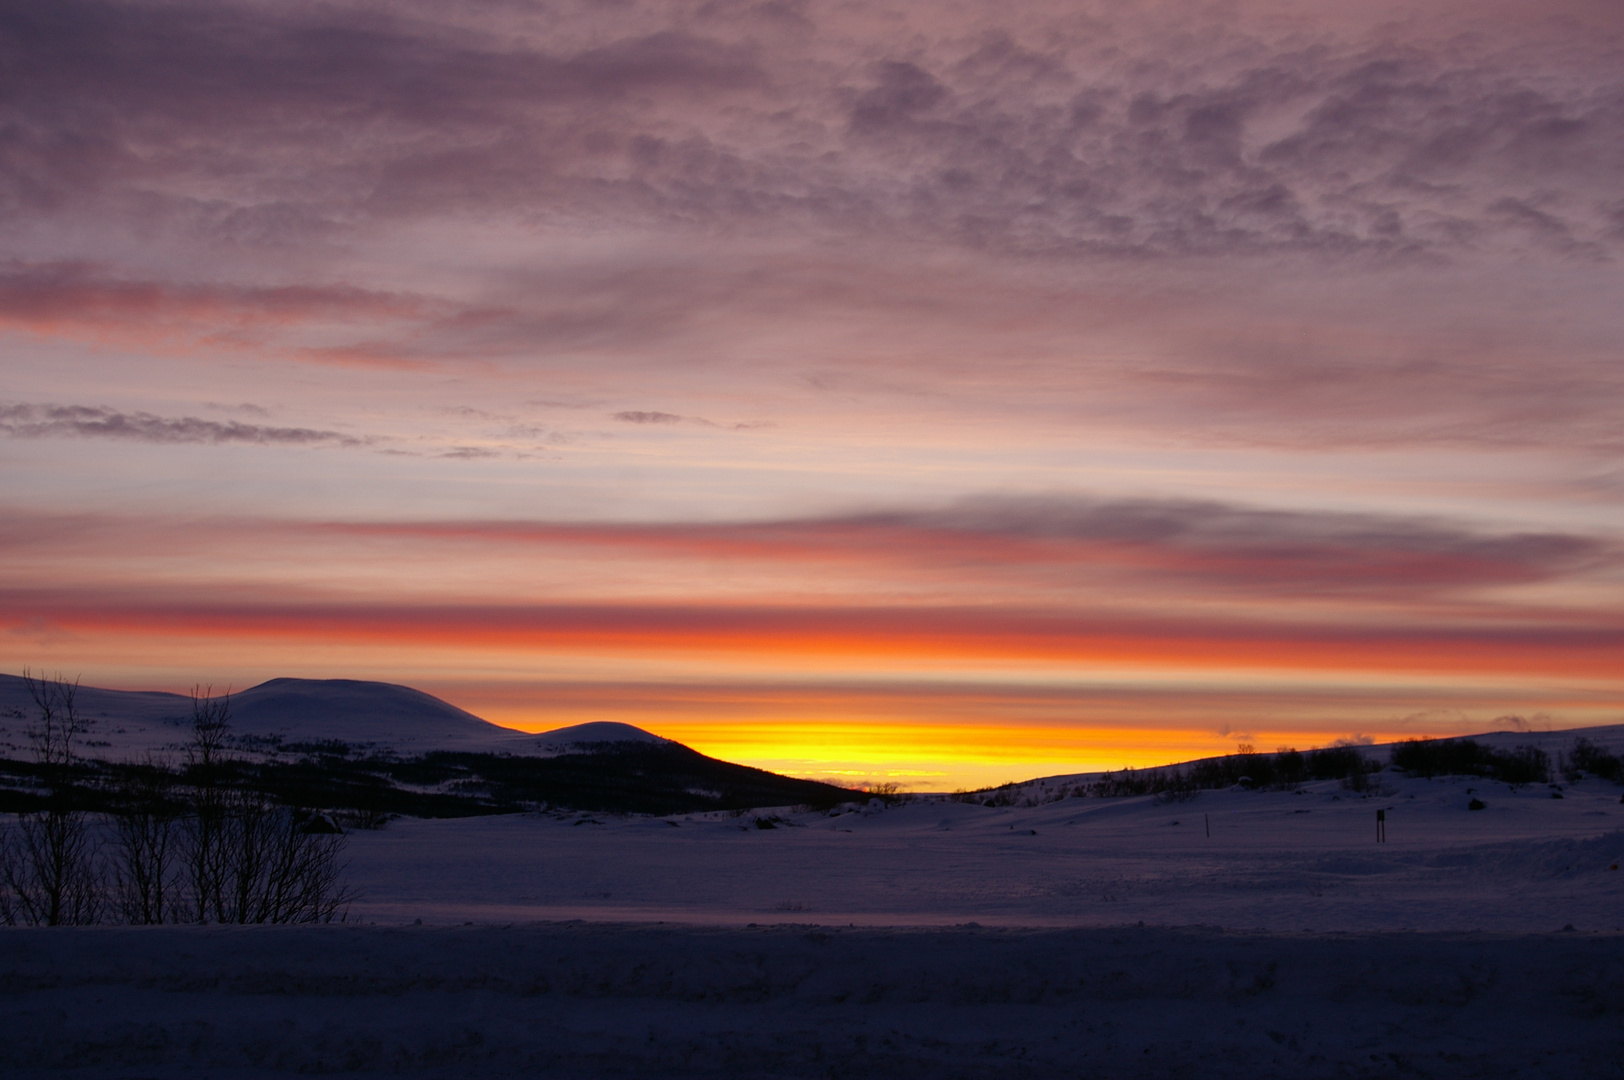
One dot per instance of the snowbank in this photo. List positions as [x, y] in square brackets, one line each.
[585, 999]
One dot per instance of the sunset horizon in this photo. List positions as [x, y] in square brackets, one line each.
[926, 394]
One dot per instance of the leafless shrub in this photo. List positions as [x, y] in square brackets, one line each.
[190, 847]
[58, 722]
[203, 833]
[49, 871]
[1593, 759]
[246, 858]
[889, 792]
[144, 845]
[277, 868]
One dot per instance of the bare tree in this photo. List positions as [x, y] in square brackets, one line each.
[282, 865]
[48, 868]
[204, 839]
[248, 859]
[50, 871]
[144, 844]
[58, 723]
[212, 850]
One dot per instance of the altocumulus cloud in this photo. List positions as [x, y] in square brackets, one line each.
[1059, 131]
[821, 174]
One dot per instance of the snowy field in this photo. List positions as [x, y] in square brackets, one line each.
[599, 1000]
[1274, 861]
[931, 939]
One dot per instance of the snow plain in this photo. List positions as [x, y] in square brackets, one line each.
[933, 938]
[605, 1000]
[1276, 861]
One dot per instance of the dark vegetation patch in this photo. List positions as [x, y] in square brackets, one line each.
[1284, 768]
[641, 778]
[1287, 768]
[1590, 758]
[1464, 757]
[1251, 770]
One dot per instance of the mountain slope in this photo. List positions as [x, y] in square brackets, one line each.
[1557, 747]
[376, 749]
[119, 721]
[375, 716]
[371, 714]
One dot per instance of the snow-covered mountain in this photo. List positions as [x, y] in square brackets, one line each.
[374, 715]
[119, 722]
[577, 738]
[359, 713]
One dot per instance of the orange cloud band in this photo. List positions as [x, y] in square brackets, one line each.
[909, 633]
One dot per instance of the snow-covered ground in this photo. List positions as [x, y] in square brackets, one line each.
[603, 1000]
[1274, 860]
[1077, 938]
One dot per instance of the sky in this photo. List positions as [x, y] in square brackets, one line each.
[929, 393]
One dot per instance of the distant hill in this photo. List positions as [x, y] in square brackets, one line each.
[596, 733]
[1556, 746]
[119, 720]
[376, 716]
[371, 714]
[375, 749]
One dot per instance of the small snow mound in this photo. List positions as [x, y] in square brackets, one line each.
[596, 733]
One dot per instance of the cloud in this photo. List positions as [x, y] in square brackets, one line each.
[902, 93]
[1209, 545]
[1262, 549]
[47, 291]
[244, 407]
[855, 630]
[1160, 214]
[139, 89]
[1067, 135]
[1059, 551]
[1513, 722]
[641, 417]
[22, 421]
[90, 301]
[1055, 555]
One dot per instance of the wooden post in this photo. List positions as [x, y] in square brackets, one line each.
[1381, 826]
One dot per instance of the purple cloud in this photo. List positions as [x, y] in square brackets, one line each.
[336, 115]
[22, 421]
